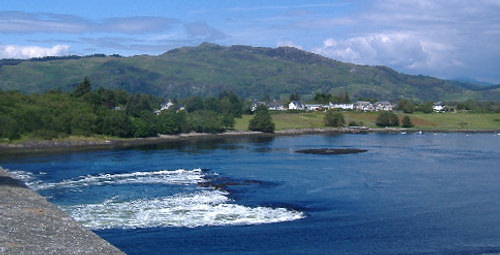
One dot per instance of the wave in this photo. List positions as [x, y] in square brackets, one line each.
[173, 177]
[204, 208]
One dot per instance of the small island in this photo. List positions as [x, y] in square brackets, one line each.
[331, 151]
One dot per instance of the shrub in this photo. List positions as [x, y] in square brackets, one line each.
[334, 119]
[262, 120]
[406, 122]
[387, 119]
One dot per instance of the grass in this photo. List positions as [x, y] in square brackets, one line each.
[439, 121]
[457, 121]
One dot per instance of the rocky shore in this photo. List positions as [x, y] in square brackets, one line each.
[96, 144]
[29, 224]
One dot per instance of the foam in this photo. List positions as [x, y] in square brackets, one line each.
[203, 208]
[175, 177]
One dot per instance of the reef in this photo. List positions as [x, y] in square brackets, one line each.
[330, 151]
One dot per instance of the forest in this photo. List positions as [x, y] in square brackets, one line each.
[85, 112]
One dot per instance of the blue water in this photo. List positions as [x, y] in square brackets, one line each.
[408, 194]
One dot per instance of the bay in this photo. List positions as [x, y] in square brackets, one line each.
[408, 194]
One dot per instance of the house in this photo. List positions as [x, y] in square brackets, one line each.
[364, 106]
[166, 106]
[295, 105]
[439, 107]
[314, 107]
[257, 103]
[385, 106]
[341, 106]
[276, 106]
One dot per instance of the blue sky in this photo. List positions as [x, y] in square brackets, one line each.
[442, 38]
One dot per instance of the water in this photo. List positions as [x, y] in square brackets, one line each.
[409, 194]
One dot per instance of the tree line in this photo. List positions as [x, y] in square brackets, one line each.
[85, 112]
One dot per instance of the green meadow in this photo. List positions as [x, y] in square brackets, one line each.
[438, 121]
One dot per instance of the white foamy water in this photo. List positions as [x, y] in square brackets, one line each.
[177, 177]
[204, 208]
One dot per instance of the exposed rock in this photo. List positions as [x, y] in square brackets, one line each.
[330, 151]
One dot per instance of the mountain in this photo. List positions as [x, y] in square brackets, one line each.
[250, 72]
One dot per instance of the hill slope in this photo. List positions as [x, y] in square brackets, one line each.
[251, 72]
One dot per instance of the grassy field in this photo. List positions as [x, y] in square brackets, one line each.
[441, 121]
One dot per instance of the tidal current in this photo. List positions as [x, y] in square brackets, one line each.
[407, 194]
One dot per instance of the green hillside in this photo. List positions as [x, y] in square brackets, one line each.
[250, 72]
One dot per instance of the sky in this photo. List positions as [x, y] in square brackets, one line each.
[449, 39]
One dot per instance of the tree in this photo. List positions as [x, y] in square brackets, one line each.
[106, 97]
[205, 121]
[116, 123]
[138, 103]
[193, 103]
[9, 128]
[231, 104]
[426, 107]
[322, 98]
[228, 121]
[387, 119]
[145, 125]
[171, 122]
[334, 119]
[212, 104]
[406, 122]
[262, 120]
[406, 106]
[342, 98]
[295, 96]
[83, 88]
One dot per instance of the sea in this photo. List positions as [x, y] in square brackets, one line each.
[414, 193]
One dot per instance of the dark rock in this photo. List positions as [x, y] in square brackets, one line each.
[330, 151]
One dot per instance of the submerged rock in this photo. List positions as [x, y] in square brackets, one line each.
[330, 151]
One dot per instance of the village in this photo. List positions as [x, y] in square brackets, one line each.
[365, 106]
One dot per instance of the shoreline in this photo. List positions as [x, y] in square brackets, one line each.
[38, 146]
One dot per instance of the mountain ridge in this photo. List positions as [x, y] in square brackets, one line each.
[250, 72]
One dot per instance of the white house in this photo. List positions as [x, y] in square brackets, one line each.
[295, 105]
[164, 106]
[364, 106]
[438, 107]
[167, 105]
[341, 106]
[385, 106]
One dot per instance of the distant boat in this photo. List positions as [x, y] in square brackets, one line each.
[403, 132]
[420, 132]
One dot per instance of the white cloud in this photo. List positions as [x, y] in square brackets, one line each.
[440, 38]
[375, 49]
[23, 22]
[23, 52]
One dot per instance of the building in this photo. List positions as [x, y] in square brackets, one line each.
[276, 106]
[384, 106]
[166, 106]
[364, 106]
[295, 105]
[256, 104]
[314, 107]
[341, 106]
[439, 107]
